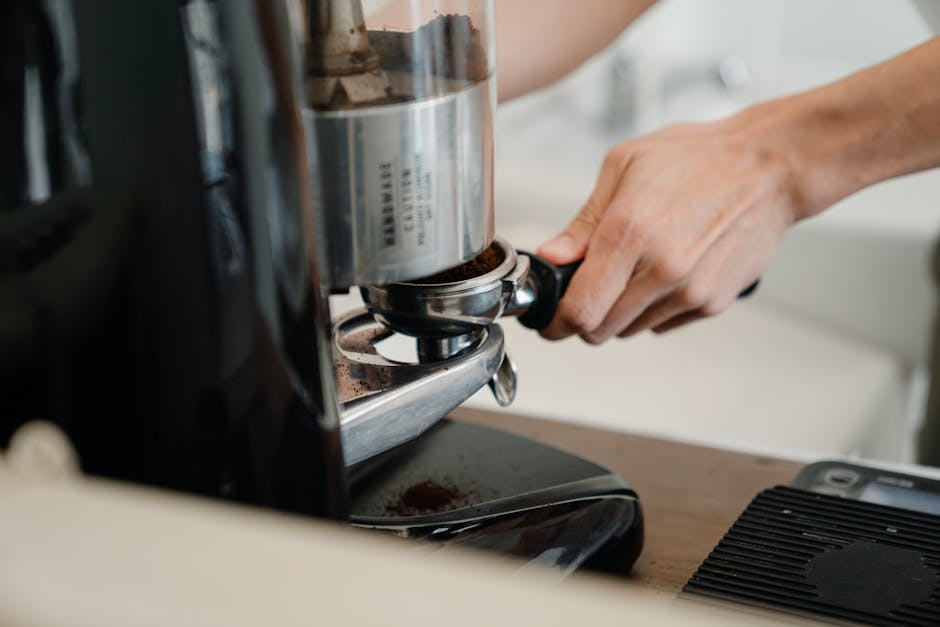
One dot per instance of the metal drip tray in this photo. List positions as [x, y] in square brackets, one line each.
[465, 485]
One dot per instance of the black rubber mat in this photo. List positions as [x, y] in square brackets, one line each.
[829, 557]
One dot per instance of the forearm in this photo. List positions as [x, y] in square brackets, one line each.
[874, 125]
[540, 41]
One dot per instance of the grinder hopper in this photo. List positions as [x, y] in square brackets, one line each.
[400, 120]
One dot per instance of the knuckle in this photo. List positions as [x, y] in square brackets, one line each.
[692, 295]
[551, 335]
[712, 308]
[670, 270]
[621, 232]
[617, 157]
[588, 217]
[581, 318]
[556, 330]
[616, 232]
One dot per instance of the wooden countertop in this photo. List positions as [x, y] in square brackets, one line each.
[690, 494]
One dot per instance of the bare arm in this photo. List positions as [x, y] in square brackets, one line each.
[540, 41]
[874, 125]
[683, 219]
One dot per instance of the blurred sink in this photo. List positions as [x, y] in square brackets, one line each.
[827, 359]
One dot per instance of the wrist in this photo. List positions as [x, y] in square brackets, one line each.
[838, 139]
[769, 133]
[816, 146]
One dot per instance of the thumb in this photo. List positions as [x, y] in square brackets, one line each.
[571, 244]
[563, 249]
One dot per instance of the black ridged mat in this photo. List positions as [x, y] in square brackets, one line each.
[830, 557]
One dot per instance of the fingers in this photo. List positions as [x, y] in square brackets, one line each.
[608, 265]
[677, 225]
[676, 309]
[571, 244]
[660, 312]
[605, 270]
[709, 289]
[612, 295]
[594, 288]
[669, 281]
[642, 293]
[678, 321]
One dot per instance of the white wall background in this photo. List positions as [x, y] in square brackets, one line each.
[830, 356]
[829, 359]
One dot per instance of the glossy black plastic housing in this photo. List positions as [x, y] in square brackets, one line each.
[551, 282]
[158, 299]
[467, 485]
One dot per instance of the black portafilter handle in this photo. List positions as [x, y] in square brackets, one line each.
[552, 281]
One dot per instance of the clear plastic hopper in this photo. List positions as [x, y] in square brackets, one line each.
[400, 99]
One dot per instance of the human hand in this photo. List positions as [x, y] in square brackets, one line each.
[682, 220]
[679, 223]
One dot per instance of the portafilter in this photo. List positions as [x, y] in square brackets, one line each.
[467, 298]
[499, 282]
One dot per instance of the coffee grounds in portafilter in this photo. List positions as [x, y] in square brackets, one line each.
[486, 261]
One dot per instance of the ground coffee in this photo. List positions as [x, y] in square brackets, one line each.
[425, 497]
[485, 262]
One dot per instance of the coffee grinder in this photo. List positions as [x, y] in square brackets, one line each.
[401, 110]
[188, 182]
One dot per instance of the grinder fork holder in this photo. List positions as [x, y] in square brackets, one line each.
[459, 484]
[459, 347]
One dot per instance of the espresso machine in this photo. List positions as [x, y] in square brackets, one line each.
[185, 185]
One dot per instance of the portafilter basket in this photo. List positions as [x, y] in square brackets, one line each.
[510, 283]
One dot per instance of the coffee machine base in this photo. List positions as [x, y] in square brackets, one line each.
[471, 486]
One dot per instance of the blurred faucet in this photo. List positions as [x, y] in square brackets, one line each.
[632, 86]
[623, 101]
[728, 76]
